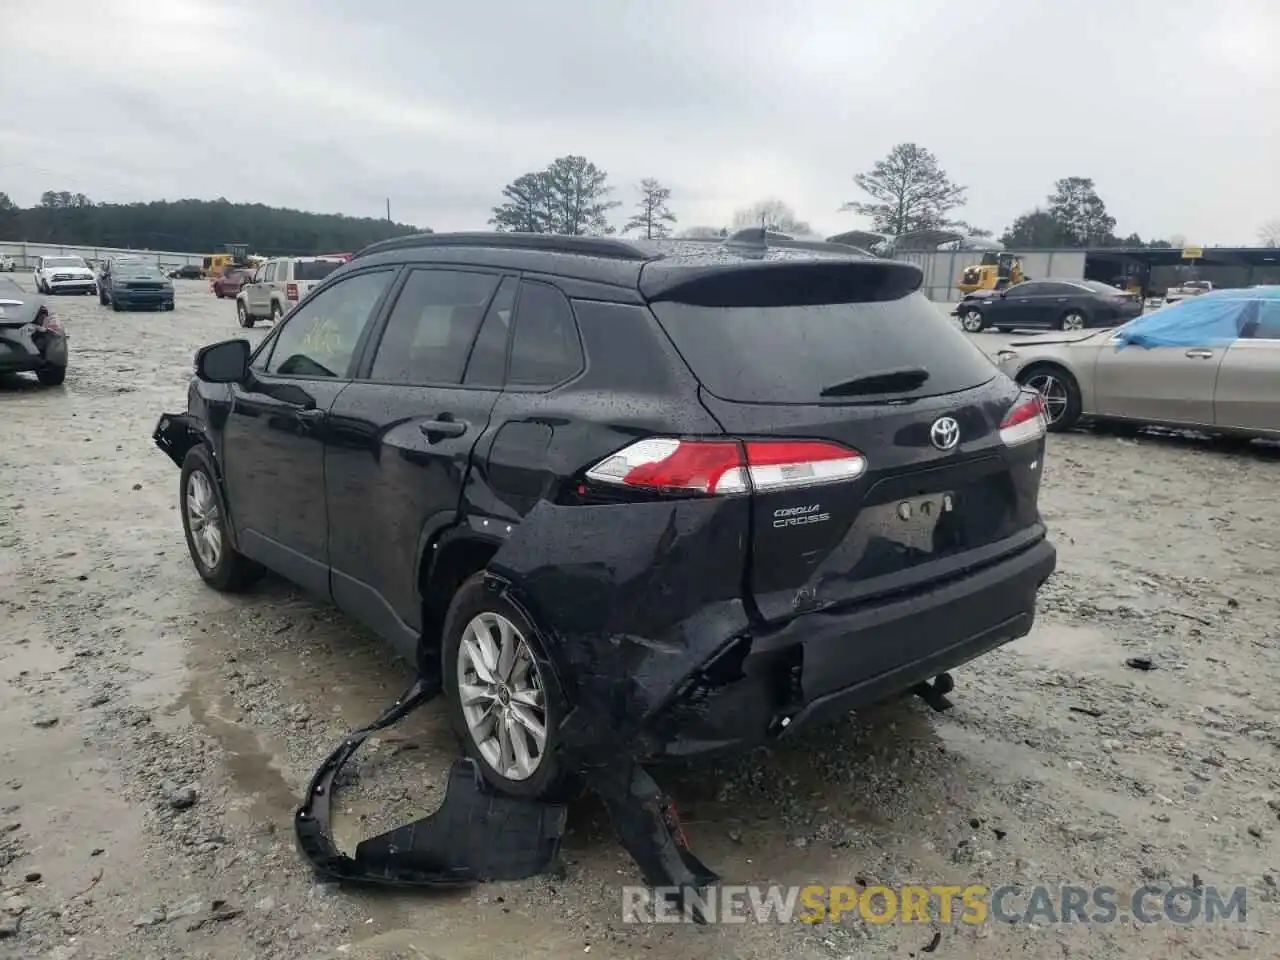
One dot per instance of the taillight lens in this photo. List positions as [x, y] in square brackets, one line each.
[48, 321]
[724, 467]
[1025, 422]
[291, 291]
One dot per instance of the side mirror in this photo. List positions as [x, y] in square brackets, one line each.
[225, 362]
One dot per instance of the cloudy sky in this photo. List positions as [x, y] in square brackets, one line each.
[1173, 108]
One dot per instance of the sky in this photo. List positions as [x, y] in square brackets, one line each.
[335, 107]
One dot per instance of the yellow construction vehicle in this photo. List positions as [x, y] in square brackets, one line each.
[996, 271]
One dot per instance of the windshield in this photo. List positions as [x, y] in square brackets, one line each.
[64, 262]
[792, 354]
[314, 269]
[137, 269]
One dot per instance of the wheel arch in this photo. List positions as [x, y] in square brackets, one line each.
[447, 558]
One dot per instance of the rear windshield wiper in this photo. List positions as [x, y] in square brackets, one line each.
[897, 380]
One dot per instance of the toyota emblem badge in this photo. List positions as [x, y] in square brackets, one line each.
[945, 433]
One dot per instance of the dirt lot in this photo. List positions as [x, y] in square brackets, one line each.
[159, 735]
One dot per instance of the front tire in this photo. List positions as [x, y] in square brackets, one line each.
[504, 702]
[242, 315]
[204, 521]
[1058, 391]
[52, 376]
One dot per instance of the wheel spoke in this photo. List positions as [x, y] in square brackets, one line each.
[504, 745]
[521, 754]
[506, 650]
[472, 695]
[524, 717]
[473, 646]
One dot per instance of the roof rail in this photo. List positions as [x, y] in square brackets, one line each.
[548, 242]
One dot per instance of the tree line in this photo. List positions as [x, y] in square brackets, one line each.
[190, 226]
[906, 191]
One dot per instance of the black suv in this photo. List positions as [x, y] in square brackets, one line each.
[652, 498]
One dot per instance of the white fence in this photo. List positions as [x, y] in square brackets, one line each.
[26, 254]
[942, 268]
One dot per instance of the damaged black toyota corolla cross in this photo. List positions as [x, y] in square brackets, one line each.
[653, 499]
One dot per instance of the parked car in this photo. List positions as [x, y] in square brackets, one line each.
[1189, 288]
[128, 283]
[230, 283]
[7, 263]
[32, 339]
[697, 494]
[189, 271]
[1056, 304]
[1209, 364]
[279, 284]
[64, 275]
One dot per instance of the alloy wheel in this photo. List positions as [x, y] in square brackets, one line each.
[1073, 321]
[502, 696]
[204, 519]
[1053, 394]
[971, 321]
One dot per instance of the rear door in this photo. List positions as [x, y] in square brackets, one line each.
[401, 440]
[887, 381]
[1247, 393]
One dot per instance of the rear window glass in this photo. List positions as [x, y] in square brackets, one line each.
[1097, 286]
[791, 354]
[314, 269]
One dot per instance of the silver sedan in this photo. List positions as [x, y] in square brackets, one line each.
[1211, 363]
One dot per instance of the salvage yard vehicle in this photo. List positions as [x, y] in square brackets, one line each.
[1189, 288]
[230, 283]
[32, 339]
[130, 283]
[279, 284]
[7, 263]
[1211, 364]
[1060, 304]
[64, 275]
[657, 498]
[188, 271]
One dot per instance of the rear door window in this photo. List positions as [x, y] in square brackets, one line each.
[432, 327]
[545, 349]
[790, 354]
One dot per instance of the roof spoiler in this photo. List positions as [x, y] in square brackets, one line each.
[781, 283]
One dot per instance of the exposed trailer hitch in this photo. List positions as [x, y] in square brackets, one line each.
[481, 835]
[935, 693]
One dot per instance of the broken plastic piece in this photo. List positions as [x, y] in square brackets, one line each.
[477, 834]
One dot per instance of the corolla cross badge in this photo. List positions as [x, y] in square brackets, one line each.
[945, 433]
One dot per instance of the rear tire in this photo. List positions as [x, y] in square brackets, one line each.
[1073, 320]
[52, 376]
[242, 315]
[972, 320]
[1059, 392]
[276, 312]
[102, 296]
[527, 684]
[204, 522]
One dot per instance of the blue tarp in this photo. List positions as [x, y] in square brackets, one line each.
[1209, 320]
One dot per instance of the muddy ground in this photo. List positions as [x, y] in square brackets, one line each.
[157, 735]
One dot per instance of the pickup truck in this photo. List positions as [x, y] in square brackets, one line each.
[1190, 288]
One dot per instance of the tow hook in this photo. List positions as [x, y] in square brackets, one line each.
[935, 693]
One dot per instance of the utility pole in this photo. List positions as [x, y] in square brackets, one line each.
[388, 208]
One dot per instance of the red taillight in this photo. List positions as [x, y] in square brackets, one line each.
[48, 321]
[721, 467]
[1025, 422]
[291, 291]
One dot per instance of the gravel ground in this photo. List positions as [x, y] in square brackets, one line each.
[159, 734]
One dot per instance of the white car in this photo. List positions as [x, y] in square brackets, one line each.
[1191, 288]
[64, 275]
[7, 263]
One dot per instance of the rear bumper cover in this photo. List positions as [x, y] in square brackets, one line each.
[822, 665]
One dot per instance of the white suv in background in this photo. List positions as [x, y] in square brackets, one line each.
[66, 274]
[278, 286]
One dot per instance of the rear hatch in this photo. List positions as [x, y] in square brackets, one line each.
[897, 473]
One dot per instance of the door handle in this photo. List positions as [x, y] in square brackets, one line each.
[1197, 354]
[443, 426]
